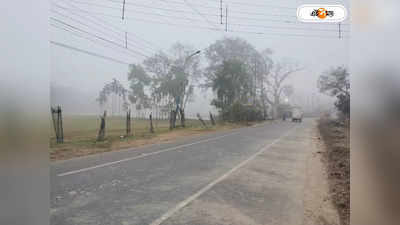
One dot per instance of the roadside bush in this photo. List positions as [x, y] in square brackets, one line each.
[239, 112]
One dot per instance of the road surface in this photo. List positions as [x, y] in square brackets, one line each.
[252, 175]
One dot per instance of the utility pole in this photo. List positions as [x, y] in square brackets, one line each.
[226, 19]
[340, 31]
[119, 104]
[126, 39]
[221, 10]
[123, 10]
[255, 80]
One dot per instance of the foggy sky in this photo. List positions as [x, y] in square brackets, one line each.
[85, 75]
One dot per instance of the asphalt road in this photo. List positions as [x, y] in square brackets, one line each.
[251, 175]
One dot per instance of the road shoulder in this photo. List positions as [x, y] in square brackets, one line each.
[65, 152]
[267, 190]
[318, 205]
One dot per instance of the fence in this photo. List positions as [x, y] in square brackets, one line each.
[85, 129]
[56, 115]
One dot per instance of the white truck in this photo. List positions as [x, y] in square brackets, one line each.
[297, 115]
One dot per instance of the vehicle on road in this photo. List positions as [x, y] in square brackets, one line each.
[297, 115]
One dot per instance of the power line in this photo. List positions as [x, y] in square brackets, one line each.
[81, 35]
[282, 34]
[232, 31]
[176, 10]
[84, 24]
[257, 5]
[88, 52]
[104, 24]
[236, 31]
[198, 12]
[115, 36]
[95, 41]
[190, 19]
[238, 3]
[283, 28]
[234, 24]
[108, 26]
[137, 5]
[97, 36]
[205, 14]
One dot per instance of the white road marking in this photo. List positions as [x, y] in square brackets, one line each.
[143, 155]
[182, 204]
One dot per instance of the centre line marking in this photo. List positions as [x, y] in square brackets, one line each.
[143, 155]
[185, 202]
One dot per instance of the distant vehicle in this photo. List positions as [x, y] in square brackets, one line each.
[297, 115]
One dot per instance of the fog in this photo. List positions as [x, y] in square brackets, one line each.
[77, 78]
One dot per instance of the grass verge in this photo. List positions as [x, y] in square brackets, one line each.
[336, 137]
[80, 134]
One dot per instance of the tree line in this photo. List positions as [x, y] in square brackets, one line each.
[247, 84]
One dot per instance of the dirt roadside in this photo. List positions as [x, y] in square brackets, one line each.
[319, 208]
[336, 137]
[65, 152]
[327, 189]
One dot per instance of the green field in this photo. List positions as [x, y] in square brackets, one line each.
[80, 132]
[85, 128]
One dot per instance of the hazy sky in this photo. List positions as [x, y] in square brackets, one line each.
[156, 24]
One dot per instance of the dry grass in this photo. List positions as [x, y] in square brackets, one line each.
[80, 134]
[336, 136]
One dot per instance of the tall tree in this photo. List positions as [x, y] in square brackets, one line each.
[266, 65]
[225, 54]
[114, 89]
[228, 49]
[138, 79]
[173, 76]
[230, 83]
[336, 82]
[275, 83]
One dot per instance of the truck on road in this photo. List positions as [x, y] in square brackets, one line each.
[297, 115]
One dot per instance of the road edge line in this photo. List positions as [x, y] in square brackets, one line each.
[142, 156]
[193, 197]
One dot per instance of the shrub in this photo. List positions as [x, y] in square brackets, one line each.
[239, 112]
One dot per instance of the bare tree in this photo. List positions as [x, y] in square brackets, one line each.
[275, 83]
[114, 88]
[264, 72]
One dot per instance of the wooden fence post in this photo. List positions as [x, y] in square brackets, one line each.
[172, 120]
[212, 119]
[201, 120]
[60, 126]
[182, 112]
[57, 123]
[151, 124]
[128, 123]
[102, 131]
